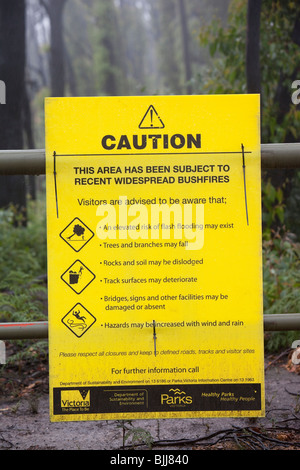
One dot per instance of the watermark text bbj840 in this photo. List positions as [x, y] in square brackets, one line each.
[296, 94]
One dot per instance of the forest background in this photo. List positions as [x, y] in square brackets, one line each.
[144, 47]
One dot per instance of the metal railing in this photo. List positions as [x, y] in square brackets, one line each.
[32, 162]
[39, 330]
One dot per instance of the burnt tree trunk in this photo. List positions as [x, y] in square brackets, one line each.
[253, 47]
[12, 72]
[55, 9]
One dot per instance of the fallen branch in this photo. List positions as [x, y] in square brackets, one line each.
[242, 436]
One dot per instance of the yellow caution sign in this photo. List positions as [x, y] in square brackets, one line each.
[154, 257]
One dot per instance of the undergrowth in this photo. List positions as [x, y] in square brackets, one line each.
[281, 286]
[23, 268]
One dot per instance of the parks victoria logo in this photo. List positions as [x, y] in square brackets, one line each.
[75, 400]
[176, 397]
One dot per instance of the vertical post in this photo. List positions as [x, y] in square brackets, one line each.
[2, 92]
[2, 353]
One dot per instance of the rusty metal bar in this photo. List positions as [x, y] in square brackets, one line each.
[32, 162]
[26, 330]
[35, 330]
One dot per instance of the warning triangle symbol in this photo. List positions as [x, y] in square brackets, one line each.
[151, 120]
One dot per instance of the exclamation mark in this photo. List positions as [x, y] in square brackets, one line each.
[151, 116]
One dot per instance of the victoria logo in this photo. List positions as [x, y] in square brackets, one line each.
[176, 397]
[75, 399]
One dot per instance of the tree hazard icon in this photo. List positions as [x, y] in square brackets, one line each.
[151, 120]
[76, 234]
[78, 320]
[78, 276]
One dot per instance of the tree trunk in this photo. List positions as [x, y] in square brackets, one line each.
[12, 71]
[28, 131]
[185, 46]
[55, 10]
[169, 65]
[253, 46]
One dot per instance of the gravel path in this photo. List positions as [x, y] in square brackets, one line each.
[25, 425]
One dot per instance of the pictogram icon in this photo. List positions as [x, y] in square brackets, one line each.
[78, 276]
[151, 120]
[77, 234]
[78, 320]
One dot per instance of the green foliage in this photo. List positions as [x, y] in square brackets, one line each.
[226, 72]
[279, 57]
[273, 208]
[35, 352]
[106, 57]
[137, 435]
[23, 267]
[281, 262]
[292, 206]
[281, 284]
[281, 274]
[24, 304]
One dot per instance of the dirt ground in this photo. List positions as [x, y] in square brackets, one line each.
[25, 424]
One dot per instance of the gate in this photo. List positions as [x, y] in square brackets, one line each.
[32, 162]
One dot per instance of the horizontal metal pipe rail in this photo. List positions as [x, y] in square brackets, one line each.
[26, 330]
[39, 330]
[282, 322]
[32, 162]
